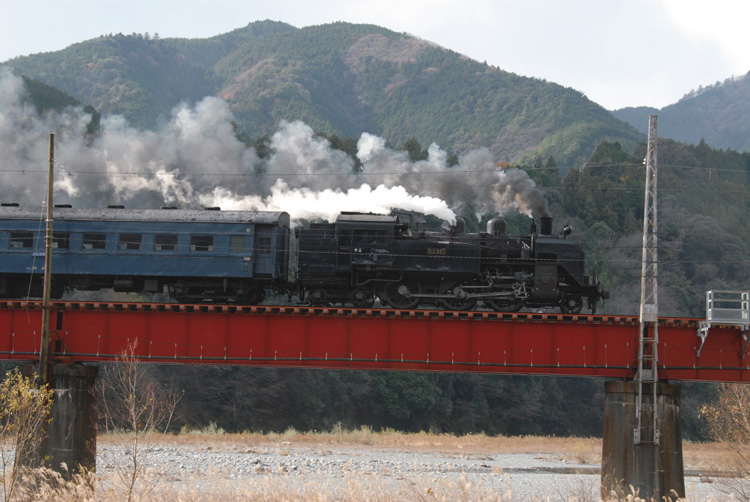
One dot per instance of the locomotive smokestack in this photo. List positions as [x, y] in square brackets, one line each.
[459, 227]
[546, 225]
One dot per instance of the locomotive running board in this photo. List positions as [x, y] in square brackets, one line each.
[403, 290]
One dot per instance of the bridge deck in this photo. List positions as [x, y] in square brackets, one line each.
[351, 338]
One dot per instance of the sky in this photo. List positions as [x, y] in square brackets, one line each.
[618, 52]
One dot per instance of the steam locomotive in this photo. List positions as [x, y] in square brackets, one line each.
[237, 256]
[365, 256]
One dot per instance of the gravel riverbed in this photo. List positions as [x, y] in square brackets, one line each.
[330, 470]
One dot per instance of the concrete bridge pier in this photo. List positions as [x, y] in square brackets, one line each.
[71, 434]
[653, 468]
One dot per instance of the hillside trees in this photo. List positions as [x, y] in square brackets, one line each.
[605, 190]
[139, 78]
[414, 149]
[267, 399]
[716, 113]
[703, 233]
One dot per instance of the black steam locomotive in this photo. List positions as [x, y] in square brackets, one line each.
[362, 257]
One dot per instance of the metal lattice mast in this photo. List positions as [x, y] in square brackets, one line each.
[647, 377]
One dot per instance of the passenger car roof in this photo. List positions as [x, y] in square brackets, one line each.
[279, 218]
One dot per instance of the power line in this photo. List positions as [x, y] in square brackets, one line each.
[448, 171]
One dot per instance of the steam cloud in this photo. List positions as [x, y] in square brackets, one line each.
[196, 161]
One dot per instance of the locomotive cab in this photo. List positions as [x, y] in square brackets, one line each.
[365, 240]
[340, 262]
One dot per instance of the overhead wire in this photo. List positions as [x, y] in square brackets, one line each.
[449, 170]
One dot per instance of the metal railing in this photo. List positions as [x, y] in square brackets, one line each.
[726, 308]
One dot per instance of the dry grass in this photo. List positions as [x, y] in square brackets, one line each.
[51, 487]
[590, 447]
[705, 456]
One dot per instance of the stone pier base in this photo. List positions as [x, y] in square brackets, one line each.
[71, 433]
[653, 469]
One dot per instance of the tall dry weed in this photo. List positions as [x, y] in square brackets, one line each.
[24, 411]
[142, 410]
[729, 424]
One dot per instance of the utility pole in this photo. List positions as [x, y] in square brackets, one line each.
[646, 376]
[70, 435]
[46, 345]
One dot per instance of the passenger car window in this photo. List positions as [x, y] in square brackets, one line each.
[129, 241]
[94, 241]
[264, 245]
[21, 239]
[165, 242]
[237, 244]
[61, 240]
[202, 243]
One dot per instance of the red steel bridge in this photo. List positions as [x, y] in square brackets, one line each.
[386, 339]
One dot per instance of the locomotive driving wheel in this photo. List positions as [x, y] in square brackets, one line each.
[571, 304]
[400, 294]
[455, 302]
[505, 305]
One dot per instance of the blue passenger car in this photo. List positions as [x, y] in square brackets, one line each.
[196, 255]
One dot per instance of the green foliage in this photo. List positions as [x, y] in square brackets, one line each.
[414, 149]
[703, 229]
[348, 146]
[274, 400]
[46, 99]
[605, 190]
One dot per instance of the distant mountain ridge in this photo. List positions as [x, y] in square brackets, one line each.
[339, 78]
[718, 114]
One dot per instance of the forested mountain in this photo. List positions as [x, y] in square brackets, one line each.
[137, 77]
[339, 78]
[718, 114]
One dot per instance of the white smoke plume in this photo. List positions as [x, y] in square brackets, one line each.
[196, 160]
[326, 204]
